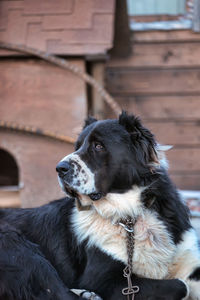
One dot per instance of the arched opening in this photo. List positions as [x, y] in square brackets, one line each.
[9, 180]
[9, 175]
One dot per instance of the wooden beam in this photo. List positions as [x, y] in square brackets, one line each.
[185, 160]
[128, 81]
[184, 107]
[122, 33]
[160, 55]
[165, 36]
[98, 71]
[186, 181]
[176, 133]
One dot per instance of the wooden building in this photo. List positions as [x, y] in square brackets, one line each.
[36, 93]
[152, 73]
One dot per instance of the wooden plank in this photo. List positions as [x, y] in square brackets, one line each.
[160, 55]
[162, 107]
[187, 181]
[97, 71]
[123, 81]
[184, 160]
[35, 93]
[5, 53]
[169, 36]
[176, 133]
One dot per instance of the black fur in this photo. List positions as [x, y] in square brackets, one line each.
[141, 138]
[60, 260]
[195, 275]
[89, 121]
[168, 205]
[24, 271]
[38, 246]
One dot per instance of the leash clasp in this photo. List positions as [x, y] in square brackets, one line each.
[126, 227]
[127, 224]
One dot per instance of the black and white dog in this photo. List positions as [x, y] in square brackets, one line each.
[117, 171]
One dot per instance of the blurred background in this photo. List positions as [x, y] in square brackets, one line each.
[145, 52]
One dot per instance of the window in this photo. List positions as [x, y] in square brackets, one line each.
[164, 14]
[156, 7]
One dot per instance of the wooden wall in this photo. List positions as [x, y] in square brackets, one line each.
[160, 82]
[67, 27]
[37, 94]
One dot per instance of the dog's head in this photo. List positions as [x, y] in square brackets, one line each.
[110, 157]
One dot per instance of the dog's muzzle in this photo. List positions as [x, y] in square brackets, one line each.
[64, 171]
[68, 177]
[62, 168]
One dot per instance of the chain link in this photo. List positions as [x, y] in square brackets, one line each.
[130, 290]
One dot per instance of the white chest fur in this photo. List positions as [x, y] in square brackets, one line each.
[153, 250]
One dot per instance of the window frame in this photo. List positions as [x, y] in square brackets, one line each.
[191, 21]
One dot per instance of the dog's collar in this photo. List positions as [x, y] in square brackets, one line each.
[81, 207]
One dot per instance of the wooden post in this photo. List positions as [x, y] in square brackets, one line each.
[97, 71]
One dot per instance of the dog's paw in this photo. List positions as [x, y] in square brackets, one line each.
[90, 296]
[187, 290]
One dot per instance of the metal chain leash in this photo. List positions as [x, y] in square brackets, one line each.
[130, 290]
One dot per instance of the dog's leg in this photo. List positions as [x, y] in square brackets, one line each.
[192, 279]
[186, 265]
[86, 294]
[194, 284]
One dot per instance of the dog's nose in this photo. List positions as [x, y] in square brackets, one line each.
[62, 167]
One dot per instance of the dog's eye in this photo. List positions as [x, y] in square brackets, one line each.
[98, 146]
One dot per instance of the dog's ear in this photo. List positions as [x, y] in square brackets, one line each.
[142, 138]
[134, 126]
[130, 122]
[89, 121]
